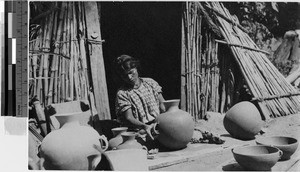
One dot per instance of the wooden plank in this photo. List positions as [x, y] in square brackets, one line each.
[295, 166]
[192, 152]
[183, 75]
[96, 60]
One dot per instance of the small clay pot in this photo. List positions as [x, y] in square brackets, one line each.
[128, 159]
[118, 139]
[129, 141]
[287, 145]
[259, 158]
[243, 121]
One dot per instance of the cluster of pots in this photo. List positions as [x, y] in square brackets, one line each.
[243, 121]
[79, 147]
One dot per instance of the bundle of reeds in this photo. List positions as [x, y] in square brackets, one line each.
[200, 71]
[275, 96]
[58, 56]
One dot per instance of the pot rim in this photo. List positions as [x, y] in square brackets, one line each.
[129, 133]
[119, 128]
[253, 155]
[171, 100]
[69, 114]
[260, 140]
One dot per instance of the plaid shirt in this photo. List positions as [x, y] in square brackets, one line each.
[143, 101]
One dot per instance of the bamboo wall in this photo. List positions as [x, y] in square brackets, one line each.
[60, 55]
[57, 69]
[200, 70]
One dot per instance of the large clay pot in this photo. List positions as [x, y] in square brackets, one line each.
[243, 121]
[174, 127]
[72, 147]
[129, 141]
[117, 139]
[128, 159]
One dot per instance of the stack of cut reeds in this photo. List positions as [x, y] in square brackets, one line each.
[200, 71]
[58, 63]
[275, 96]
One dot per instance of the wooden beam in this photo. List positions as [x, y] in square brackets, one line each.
[97, 69]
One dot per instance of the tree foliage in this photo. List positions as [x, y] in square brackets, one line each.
[265, 20]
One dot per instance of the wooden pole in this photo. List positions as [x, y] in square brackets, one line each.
[46, 56]
[83, 52]
[71, 67]
[39, 88]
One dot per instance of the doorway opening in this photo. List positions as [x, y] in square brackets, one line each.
[148, 31]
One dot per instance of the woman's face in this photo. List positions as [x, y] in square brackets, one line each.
[131, 76]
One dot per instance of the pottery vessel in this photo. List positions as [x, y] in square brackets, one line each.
[128, 159]
[243, 121]
[129, 141]
[72, 147]
[69, 107]
[117, 139]
[258, 158]
[175, 127]
[287, 145]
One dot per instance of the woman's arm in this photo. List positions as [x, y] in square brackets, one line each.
[129, 117]
[161, 104]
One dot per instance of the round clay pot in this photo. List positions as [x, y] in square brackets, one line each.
[129, 141]
[72, 147]
[128, 159]
[287, 145]
[243, 121]
[175, 127]
[259, 158]
[117, 139]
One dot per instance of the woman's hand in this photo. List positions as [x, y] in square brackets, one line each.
[129, 117]
[148, 128]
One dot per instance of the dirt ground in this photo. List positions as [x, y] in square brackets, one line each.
[282, 126]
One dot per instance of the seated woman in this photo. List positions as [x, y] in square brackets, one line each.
[138, 100]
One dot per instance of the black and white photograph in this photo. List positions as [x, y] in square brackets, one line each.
[163, 85]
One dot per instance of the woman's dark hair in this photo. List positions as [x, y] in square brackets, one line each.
[125, 62]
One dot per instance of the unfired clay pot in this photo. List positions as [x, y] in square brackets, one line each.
[117, 139]
[174, 127]
[129, 141]
[128, 159]
[259, 158]
[72, 146]
[243, 121]
[288, 145]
